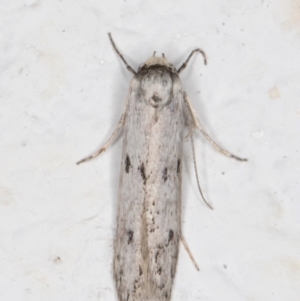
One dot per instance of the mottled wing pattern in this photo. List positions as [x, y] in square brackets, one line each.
[130, 267]
[148, 229]
[163, 195]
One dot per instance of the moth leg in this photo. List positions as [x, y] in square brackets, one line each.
[189, 252]
[120, 54]
[191, 123]
[189, 57]
[109, 141]
[197, 124]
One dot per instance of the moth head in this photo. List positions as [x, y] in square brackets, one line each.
[158, 61]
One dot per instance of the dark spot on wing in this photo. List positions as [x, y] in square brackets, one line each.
[162, 287]
[178, 166]
[172, 272]
[166, 295]
[127, 164]
[143, 173]
[156, 256]
[171, 235]
[159, 271]
[130, 236]
[165, 174]
[140, 271]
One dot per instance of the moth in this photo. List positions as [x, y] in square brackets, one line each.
[149, 206]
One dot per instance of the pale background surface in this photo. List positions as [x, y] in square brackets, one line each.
[62, 90]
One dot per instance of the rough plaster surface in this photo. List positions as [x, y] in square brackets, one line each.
[62, 90]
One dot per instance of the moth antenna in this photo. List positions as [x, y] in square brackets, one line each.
[163, 55]
[189, 57]
[120, 54]
[154, 53]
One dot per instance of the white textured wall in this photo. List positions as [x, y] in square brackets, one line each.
[62, 90]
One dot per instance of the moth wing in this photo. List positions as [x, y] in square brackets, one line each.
[163, 195]
[130, 262]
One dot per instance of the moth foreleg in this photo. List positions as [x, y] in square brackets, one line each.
[197, 124]
[109, 141]
[191, 122]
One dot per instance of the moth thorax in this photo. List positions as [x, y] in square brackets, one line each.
[157, 87]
